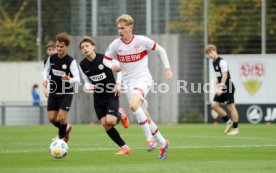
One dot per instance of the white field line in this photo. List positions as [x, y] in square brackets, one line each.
[228, 137]
[203, 136]
[140, 148]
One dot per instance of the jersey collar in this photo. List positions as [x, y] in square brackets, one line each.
[129, 41]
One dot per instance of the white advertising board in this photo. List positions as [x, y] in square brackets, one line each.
[254, 77]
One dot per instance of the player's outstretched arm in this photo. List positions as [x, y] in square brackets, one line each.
[164, 57]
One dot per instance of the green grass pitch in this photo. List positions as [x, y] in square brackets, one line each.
[194, 148]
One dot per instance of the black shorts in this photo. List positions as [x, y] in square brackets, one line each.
[56, 102]
[225, 98]
[109, 105]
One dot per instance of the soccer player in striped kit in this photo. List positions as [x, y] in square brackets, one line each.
[132, 52]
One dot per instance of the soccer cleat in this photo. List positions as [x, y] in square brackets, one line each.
[124, 118]
[229, 126]
[151, 145]
[163, 151]
[124, 150]
[233, 132]
[68, 129]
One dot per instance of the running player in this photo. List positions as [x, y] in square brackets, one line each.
[61, 72]
[100, 81]
[132, 52]
[224, 91]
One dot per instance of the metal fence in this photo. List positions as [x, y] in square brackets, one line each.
[22, 114]
[235, 26]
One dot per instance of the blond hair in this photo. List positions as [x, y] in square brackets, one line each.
[210, 48]
[87, 39]
[51, 44]
[125, 18]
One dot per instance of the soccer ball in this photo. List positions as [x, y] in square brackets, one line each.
[58, 148]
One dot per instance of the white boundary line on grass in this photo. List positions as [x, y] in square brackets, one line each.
[226, 137]
[139, 148]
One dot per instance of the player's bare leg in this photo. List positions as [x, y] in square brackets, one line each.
[235, 117]
[53, 118]
[221, 113]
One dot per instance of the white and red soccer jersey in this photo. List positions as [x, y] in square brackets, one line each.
[133, 56]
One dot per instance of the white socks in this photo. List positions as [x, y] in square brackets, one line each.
[142, 120]
[155, 132]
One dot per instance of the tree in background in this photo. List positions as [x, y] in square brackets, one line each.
[271, 26]
[17, 36]
[56, 18]
[233, 25]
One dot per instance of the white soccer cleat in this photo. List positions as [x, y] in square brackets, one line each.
[233, 132]
[229, 126]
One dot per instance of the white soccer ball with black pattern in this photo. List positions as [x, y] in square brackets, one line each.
[58, 148]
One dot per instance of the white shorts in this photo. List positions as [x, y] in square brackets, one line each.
[140, 86]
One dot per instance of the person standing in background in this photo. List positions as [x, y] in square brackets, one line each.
[35, 95]
[50, 50]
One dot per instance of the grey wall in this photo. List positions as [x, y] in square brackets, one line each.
[185, 56]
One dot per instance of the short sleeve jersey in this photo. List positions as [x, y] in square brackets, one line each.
[220, 66]
[133, 56]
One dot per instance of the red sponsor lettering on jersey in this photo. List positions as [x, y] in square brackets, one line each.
[106, 57]
[154, 46]
[132, 57]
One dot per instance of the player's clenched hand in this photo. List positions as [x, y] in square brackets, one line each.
[116, 68]
[66, 78]
[45, 83]
[46, 92]
[117, 89]
[91, 88]
[219, 88]
[169, 73]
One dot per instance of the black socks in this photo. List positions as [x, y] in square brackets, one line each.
[115, 136]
